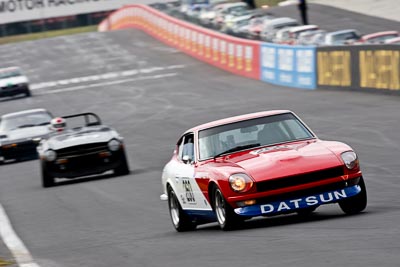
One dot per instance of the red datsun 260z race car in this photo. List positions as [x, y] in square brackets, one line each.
[260, 164]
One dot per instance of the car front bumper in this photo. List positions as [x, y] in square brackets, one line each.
[84, 165]
[19, 150]
[13, 90]
[297, 203]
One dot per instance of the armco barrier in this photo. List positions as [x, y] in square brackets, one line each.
[288, 65]
[236, 55]
[364, 67]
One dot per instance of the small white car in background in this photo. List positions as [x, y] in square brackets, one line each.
[13, 82]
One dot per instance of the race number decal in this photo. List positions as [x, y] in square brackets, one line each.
[188, 191]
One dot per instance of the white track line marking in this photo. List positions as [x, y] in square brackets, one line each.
[88, 86]
[21, 254]
[104, 76]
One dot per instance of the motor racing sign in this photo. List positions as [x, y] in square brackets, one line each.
[25, 10]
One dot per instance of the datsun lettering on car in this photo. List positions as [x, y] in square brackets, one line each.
[89, 149]
[260, 164]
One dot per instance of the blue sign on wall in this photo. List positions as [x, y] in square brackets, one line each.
[288, 65]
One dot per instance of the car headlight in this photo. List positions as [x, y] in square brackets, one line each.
[240, 182]
[114, 145]
[350, 159]
[50, 155]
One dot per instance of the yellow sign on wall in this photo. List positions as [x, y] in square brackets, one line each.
[380, 69]
[334, 68]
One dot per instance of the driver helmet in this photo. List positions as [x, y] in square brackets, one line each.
[58, 124]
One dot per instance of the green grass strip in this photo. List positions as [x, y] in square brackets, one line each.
[47, 34]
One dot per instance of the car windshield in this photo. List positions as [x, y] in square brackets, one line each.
[25, 120]
[10, 73]
[246, 134]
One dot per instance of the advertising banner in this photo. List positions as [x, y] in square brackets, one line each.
[25, 10]
[292, 66]
[362, 67]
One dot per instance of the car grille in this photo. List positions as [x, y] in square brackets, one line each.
[10, 86]
[294, 180]
[82, 150]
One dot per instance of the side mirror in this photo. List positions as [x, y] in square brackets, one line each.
[186, 159]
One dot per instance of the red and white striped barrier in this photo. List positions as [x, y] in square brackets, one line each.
[236, 55]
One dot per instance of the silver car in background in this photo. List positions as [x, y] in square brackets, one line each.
[271, 27]
[13, 82]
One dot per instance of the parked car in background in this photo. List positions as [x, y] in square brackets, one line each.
[308, 37]
[282, 36]
[377, 37]
[270, 27]
[393, 41]
[187, 5]
[294, 32]
[13, 82]
[226, 11]
[255, 27]
[208, 14]
[239, 27]
[20, 133]
[235, 20]
[342, 37]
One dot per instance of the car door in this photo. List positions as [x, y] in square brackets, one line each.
[186, 187]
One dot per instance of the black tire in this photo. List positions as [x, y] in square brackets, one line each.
[179, 219]
[357, 203]
[226, 217]
[123, 168]
[28, 93]
[47, 178]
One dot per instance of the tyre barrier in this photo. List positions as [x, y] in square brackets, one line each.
[362, 67]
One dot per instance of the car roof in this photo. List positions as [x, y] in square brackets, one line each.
[303, 28]
[277, 21]
[378, 34]
[13, 68]
[228, 5]
[237, 119]
[341, 32]
[24, 112]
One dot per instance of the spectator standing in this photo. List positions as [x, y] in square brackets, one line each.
[303, 11]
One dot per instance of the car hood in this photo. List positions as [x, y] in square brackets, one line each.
[13, 81]
[23, 134]
[85, 135]
[284, 160]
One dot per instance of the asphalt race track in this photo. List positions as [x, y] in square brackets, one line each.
[151, 93]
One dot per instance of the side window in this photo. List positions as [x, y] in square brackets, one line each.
[180, 148]
[186, 147]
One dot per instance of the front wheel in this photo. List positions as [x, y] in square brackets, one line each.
[123, 168]
[180, 220]
[226, 217]
[357, 203]
[47, 178]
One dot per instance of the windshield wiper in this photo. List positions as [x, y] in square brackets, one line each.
[26, 126]
[237, 148]
[43, 123]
